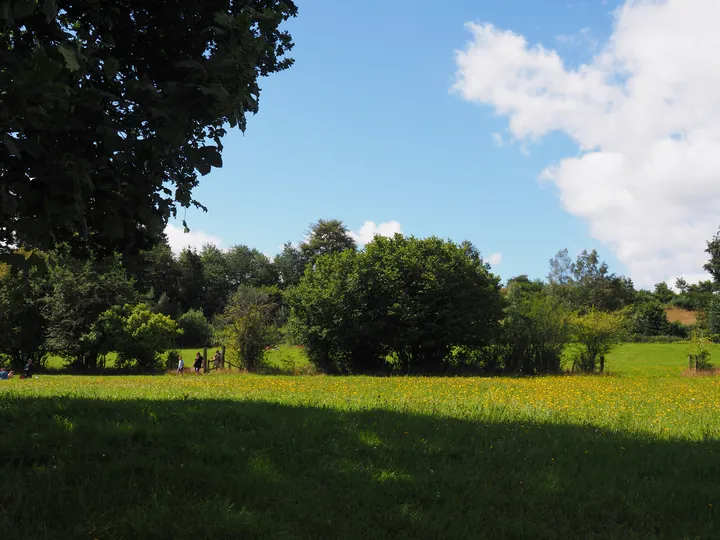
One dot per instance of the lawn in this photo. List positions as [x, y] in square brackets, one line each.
[256, 456]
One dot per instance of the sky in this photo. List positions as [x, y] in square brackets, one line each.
[525, 127]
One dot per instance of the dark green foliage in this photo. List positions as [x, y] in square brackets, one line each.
[535, 331]
[587, 284]
[290, 265]
[80, 290]
[713, 265]
[410, 299]
[663, 293]
[191, 280]
[112, 109]
[172, 359]
[23, 325]
[695, 297]
[196, 329]
[649, 319]
[713, 315]
[325, 237]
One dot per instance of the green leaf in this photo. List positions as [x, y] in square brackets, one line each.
[110, 67]
[23, 8]
[71, 60]
[190, 64]
[211, 155]
[50, 9]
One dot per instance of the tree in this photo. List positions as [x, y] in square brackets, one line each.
[216, 280]
[596, 333]
[247, 325]
[135, 333]
[80, 290]
[290, 265]
[191, 280]
[196, 330]
[587, 284]
[649, 319]
[663, 293]
[682, 285]
[411, 299]
[23, 325]
[324, 237]
[535, 330]
[713, 265]
[107, 109]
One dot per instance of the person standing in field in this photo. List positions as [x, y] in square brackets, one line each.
[28, 368]
[181, 366]
[198, 362]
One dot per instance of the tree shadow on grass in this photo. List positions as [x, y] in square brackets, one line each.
[83, 468]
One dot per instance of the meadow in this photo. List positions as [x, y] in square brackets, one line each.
[631, 455]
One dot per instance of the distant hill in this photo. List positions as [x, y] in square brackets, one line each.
[682, 315]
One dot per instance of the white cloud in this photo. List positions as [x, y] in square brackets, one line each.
[368, 231]
[495, 259]
[645, 114]
[179, 240]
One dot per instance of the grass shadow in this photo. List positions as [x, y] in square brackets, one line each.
[86, 468]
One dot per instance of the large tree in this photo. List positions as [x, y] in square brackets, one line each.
[412, 299]
[326, 236]
[110, 109]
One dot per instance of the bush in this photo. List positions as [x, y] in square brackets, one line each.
[596, 333]
[699, 356]
[248, 326]
[649, 319]
[136, 333]
[196, 330]
[409, 300]
[536, 331]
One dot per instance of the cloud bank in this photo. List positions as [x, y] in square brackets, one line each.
[645, 115]
[179, 240]
[369, 229]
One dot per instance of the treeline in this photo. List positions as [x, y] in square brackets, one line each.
[400, 304]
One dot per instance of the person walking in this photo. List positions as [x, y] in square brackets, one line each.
[198, 362]
[181, 366]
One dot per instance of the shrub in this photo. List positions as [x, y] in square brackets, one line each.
[136, 333]
[699, 355]
[173, 358]
[248, 326]
[649, 319]
[197, 331]
[536, 331]
[596, 334]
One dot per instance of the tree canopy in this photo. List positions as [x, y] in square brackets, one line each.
[109, 110]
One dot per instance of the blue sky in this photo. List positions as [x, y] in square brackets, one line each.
[364, 127]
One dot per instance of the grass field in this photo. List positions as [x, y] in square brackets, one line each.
[634, 455]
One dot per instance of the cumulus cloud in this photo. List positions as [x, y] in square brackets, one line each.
[369, 229]
[645, 115]
[495, 259]
[179, 240]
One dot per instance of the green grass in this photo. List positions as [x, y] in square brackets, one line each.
[255, 456]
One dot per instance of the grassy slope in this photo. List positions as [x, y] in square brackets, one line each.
[632, 456]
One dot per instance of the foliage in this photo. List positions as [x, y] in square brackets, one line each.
[586, 283]
[596, 333]
[247, 326]
[196, 330]
[713, 315]
[173, 359]
[290, 265]
[649, 319]
[23, 325]
[107, 109]
[536, 330]
[191, 280]
[409, 299]
[699, 355]
[325, 237]
[136, 334]
[663, 293]
[713, 265]
[80, 290]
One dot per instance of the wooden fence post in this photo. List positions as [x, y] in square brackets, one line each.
[205, 364]
[223, 357]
